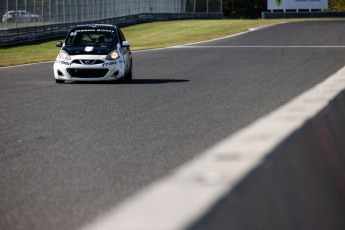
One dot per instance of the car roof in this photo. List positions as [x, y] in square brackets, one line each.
[91, 26]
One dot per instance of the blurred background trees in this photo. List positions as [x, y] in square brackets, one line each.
[337, 5]
[244, 8]
[253, 8]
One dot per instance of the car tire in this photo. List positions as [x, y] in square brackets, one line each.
[59, 81]
[122, 80]
[129, 75]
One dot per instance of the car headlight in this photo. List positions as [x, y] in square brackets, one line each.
[113, 55]
[64, 55]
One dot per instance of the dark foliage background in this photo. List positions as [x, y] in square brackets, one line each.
[244, 8]
[253, 8]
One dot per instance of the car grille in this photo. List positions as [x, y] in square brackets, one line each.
[87, 62]
[87, 73]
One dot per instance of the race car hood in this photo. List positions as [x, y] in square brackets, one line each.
[94, 50]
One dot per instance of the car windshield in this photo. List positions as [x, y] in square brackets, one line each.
[91, 37]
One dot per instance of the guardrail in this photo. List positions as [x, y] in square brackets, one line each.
[9, 37]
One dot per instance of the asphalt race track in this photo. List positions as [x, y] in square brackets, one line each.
[70, 152]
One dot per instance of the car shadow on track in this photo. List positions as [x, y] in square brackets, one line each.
[134, 81]
[154, 81]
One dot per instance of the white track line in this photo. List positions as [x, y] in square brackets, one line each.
[265, 26]
[190, 44]
[23, 65]
[224, 47]
[211, 40]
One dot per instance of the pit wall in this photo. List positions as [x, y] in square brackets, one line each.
[284, 171]
[299, 185]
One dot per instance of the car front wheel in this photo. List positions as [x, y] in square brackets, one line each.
[129, 75]
[59, 81]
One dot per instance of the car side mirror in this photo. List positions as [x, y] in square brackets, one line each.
[126, 44]
[58, 44]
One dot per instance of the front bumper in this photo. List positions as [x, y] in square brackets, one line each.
[89, 68]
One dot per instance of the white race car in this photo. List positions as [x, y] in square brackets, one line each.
[96, 52]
